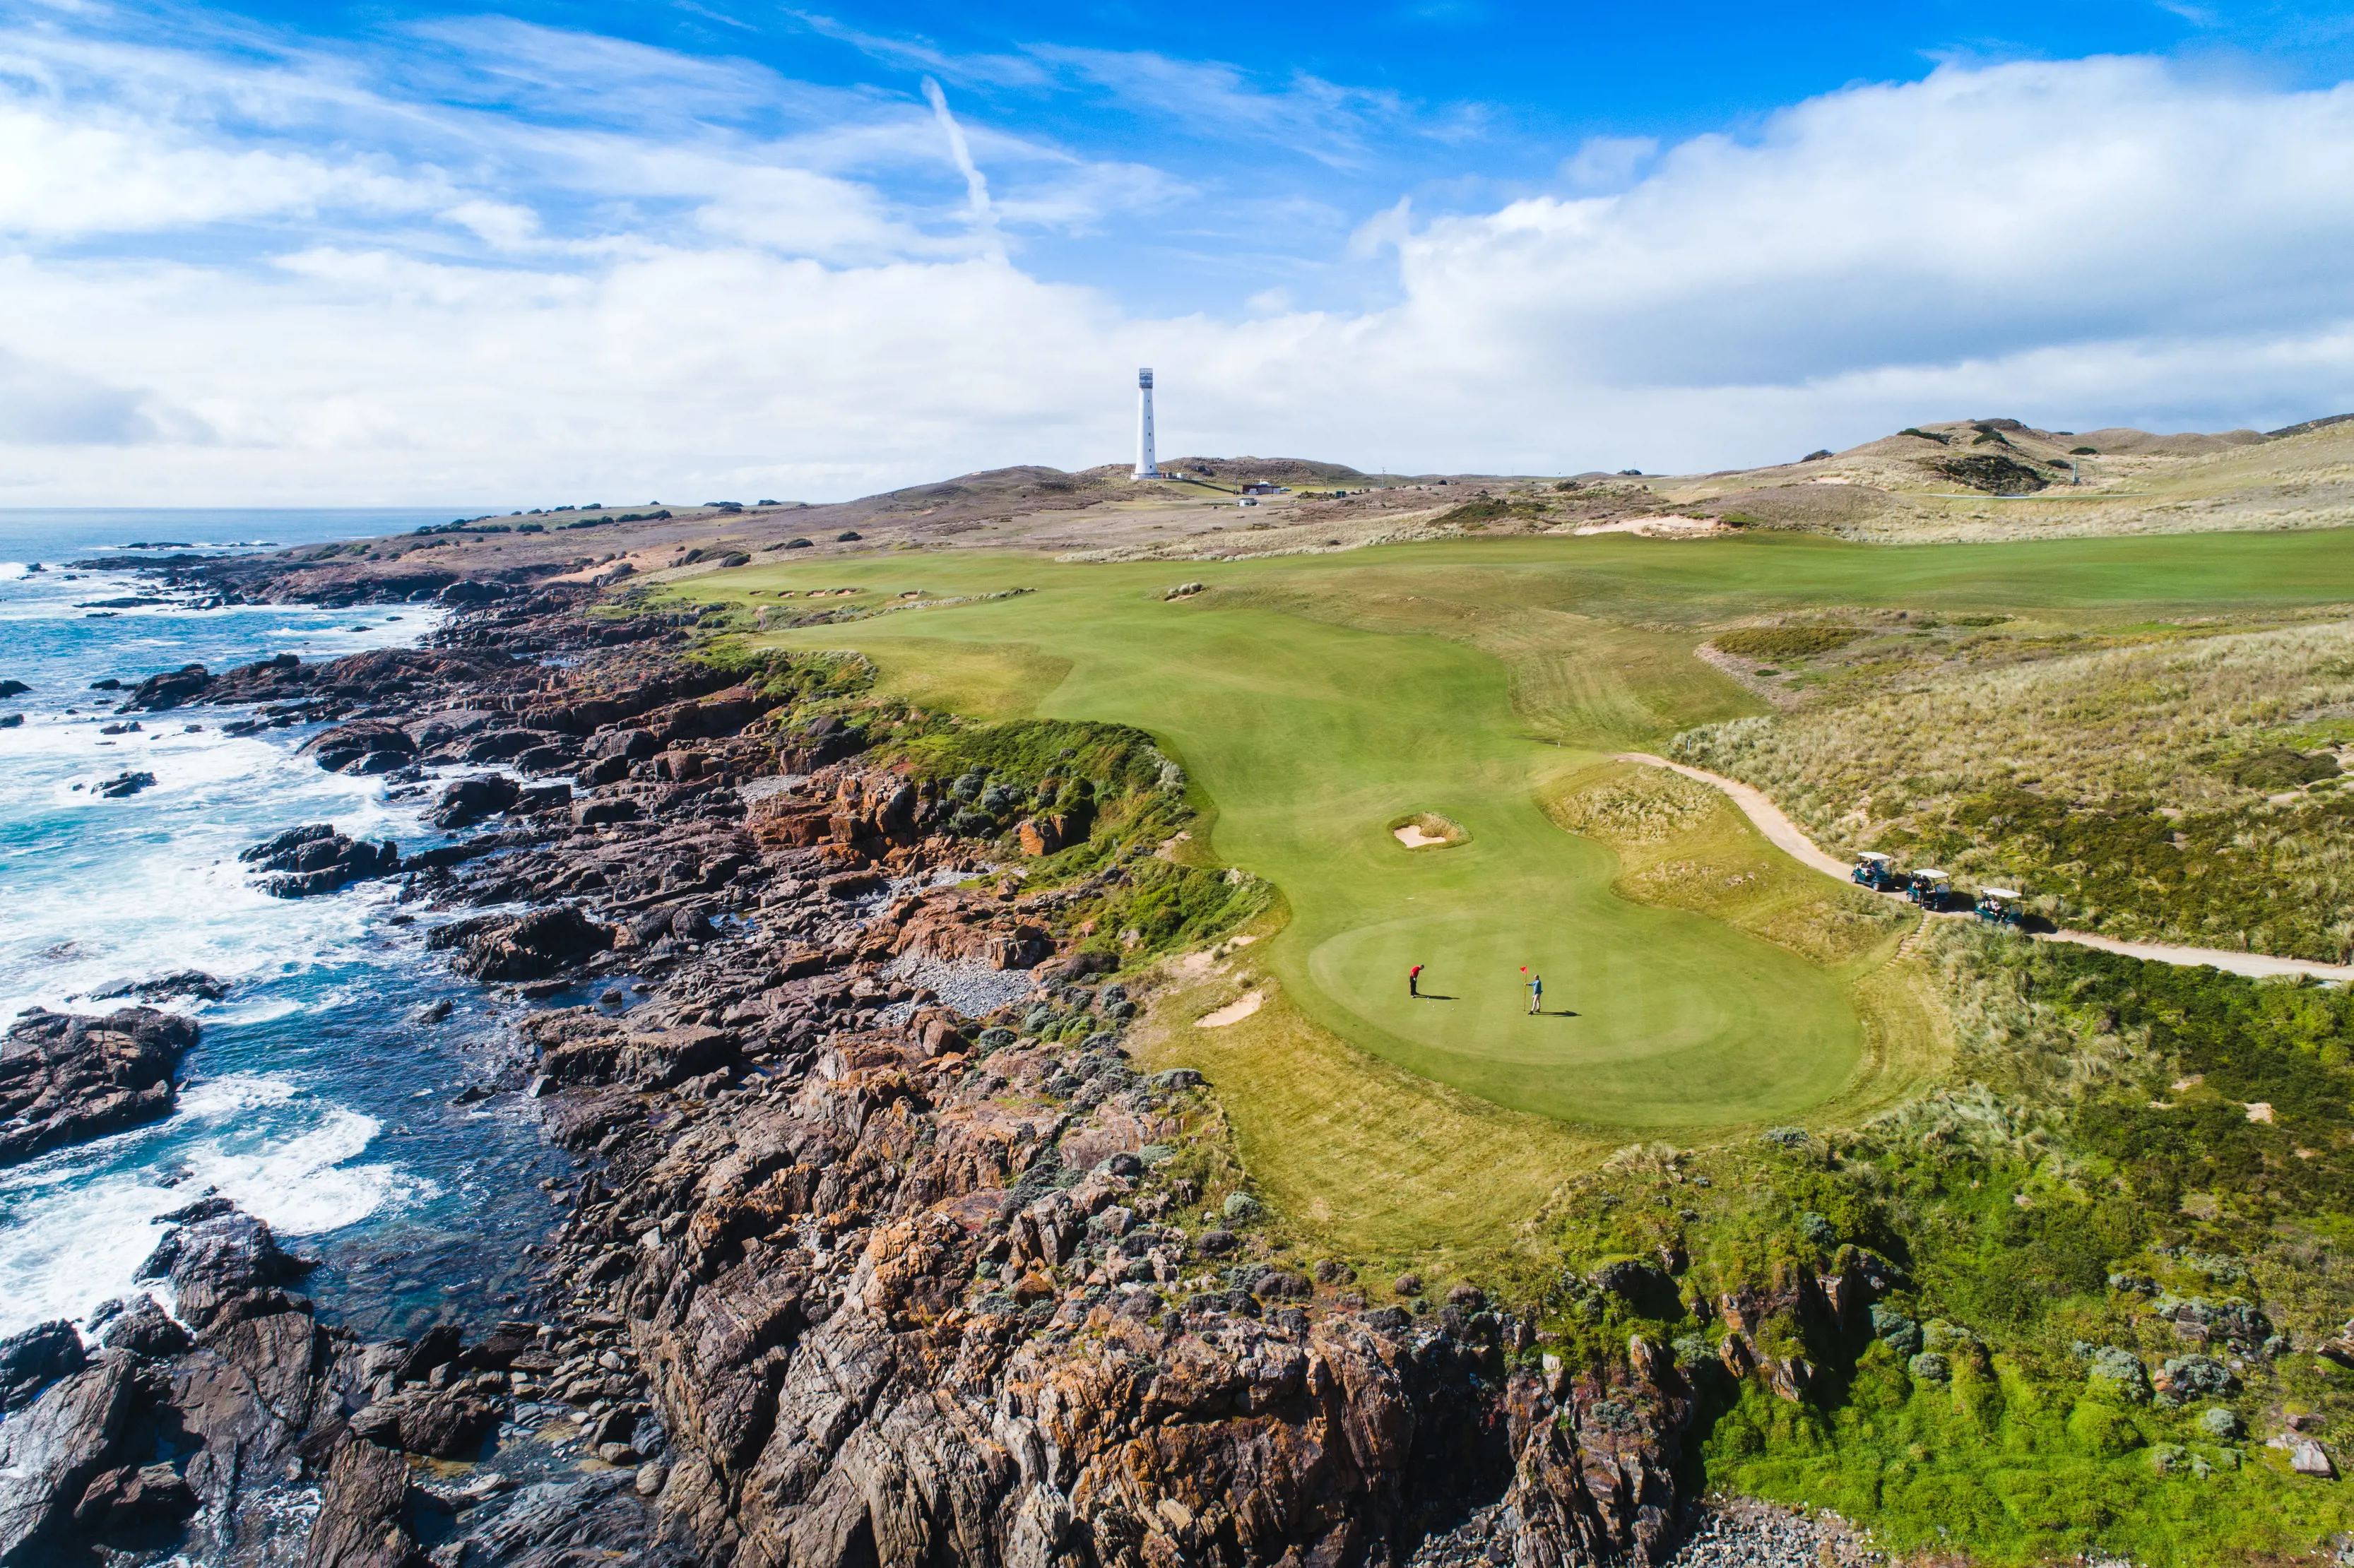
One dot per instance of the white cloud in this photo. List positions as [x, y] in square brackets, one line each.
[463, 308]
[1964, 215]
[107, 172]
[919, 53]
[1608, 163]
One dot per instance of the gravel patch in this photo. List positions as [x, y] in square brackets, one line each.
[972, 988]
[753, 792]
[1740, 1532]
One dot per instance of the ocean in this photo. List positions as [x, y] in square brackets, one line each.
[319, 1098]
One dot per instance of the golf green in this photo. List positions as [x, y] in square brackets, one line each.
[1309, 733]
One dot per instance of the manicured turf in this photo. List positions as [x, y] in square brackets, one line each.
[1317, 699]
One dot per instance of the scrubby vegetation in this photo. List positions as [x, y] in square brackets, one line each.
[1780, 642]
[1487, 509]
[1682, 845]
[2091, 1311]
[2182, 790]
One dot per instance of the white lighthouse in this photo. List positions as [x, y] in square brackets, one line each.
[1145, 467]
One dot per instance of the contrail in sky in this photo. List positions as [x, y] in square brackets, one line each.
[976, 184]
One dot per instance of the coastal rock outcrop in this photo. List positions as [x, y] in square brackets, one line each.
[466, 802]
[220, 1259]
[50, 1452]
[141, 1326]
[163, 988]
[361, 1521]
[158, 693]
[490, 948]
[66, 1077]
[315, 858]
[175, 1433]
[363, 745]
[884, 1316]
[33, 1360]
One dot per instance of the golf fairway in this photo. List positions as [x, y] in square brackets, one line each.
[1309, 734]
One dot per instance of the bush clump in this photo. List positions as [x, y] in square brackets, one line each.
[1777, 643]
[1996, 474]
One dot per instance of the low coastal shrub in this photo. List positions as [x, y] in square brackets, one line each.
[1489, 509]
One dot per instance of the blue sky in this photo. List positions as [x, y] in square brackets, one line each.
[395, 253]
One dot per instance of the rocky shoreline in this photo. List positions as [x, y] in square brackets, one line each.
[879, 1261]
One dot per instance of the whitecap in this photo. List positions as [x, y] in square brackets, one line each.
[300, 1184]
[75, 1225]
[234, 1092]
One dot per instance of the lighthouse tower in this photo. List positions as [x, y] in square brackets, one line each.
[1145, 467]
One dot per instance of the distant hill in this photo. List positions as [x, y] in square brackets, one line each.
[1930, 481]
[1983, 479]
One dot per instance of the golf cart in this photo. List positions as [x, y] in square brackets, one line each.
[1877, 872]
[1929, 889]
[1999, 907]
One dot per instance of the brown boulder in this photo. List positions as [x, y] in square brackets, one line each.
[51, 1451]
[441, 1424]
[360, 1515]
[65, 1078]
[493, 948]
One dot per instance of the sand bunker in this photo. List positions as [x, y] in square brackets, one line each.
[1670, 526]
[1233, 1012]
[1428, 830]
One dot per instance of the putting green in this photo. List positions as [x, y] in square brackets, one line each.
[1309, 732]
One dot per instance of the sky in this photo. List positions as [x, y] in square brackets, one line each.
[539, 254]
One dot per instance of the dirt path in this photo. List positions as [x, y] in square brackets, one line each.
[2259, 965]
[1784, 835]
[1759, 809]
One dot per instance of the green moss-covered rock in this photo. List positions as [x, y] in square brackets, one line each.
[2101, 1431]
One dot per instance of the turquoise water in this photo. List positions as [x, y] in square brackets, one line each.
[314, 1099]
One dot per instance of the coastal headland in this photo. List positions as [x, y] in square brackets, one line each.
[968, 965]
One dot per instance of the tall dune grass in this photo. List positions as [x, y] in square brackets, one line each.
[2104, 782]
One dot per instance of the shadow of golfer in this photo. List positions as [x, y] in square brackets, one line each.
[1432, 996]
[1553, 1013]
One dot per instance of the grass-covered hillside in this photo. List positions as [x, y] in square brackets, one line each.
[2184, 785]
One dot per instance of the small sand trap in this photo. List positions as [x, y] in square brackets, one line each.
[1233, 1012]
[1428, 830]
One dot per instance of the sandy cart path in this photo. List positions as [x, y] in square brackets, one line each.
[1784, 835]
